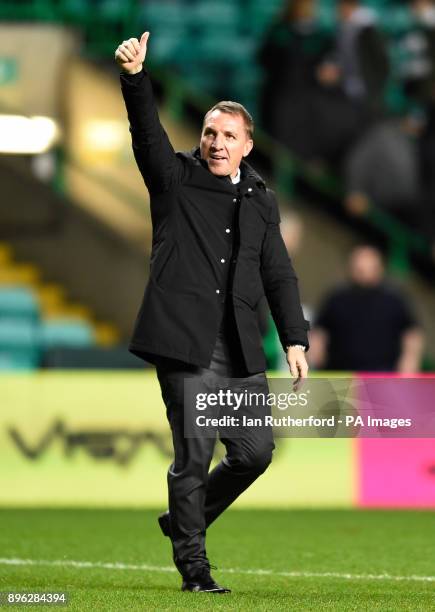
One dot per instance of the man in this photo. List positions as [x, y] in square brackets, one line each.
[216, 250]
[415, 49]
[366, 324]
[291, 52]
[353, 80]
[361, 55]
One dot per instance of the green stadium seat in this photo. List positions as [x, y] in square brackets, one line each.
[167, 47]
[212, 15]
[167, 23]
[18, 302]
[259, 14]
[113, 10]
[18, 344]
[65, 333]
[162, 16]
[76, 10]
[225, 48]
[394, 20]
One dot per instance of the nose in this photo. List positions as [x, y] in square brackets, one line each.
[217, 142]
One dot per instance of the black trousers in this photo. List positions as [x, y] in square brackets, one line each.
[196, 496]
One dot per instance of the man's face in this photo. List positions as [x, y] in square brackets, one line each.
[303, 10]
[422, 8]
[224, 142]
[365, 267]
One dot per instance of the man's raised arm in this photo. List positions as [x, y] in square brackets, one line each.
[154, 154]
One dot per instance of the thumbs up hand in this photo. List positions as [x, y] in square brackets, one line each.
[130, 55]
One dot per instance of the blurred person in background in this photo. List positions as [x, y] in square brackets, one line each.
[416, 53]
[361, 57]
[353, 79]
[390, 164]
[366, 324]
[321, 91]
[426, 153]
[414, 48]
[217, 249]
[381, 169]
[290, 55]
[418, 78]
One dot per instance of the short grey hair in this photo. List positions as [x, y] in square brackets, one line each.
[234, 108]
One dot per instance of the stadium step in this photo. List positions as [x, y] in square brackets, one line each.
[51, 298]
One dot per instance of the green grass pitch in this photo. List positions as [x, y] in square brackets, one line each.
[273, 560]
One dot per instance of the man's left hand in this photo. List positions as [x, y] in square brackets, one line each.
[298, 365]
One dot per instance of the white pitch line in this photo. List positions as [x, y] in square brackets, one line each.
[254, 572]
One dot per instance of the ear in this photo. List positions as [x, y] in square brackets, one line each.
[249, 144]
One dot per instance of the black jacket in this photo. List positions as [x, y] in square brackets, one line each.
[197, 217]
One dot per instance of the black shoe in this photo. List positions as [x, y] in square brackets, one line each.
[165, 523]
[202, 582]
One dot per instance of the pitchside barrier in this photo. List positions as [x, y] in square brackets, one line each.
[98, 439]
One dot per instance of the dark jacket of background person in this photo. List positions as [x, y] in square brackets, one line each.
[365, 327]
[290, 56]
[362, 57]
[194, 266]
[353, 78]
[426, 152]
[417, 74]
[414, 48]
[383, 166]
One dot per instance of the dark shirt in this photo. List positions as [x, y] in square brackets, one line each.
[365, 327]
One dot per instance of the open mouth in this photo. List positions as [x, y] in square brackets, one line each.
[217, 157]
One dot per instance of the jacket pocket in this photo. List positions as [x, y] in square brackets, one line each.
[162, 265]
[172, 273]
[252, 237]
[251, 301]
